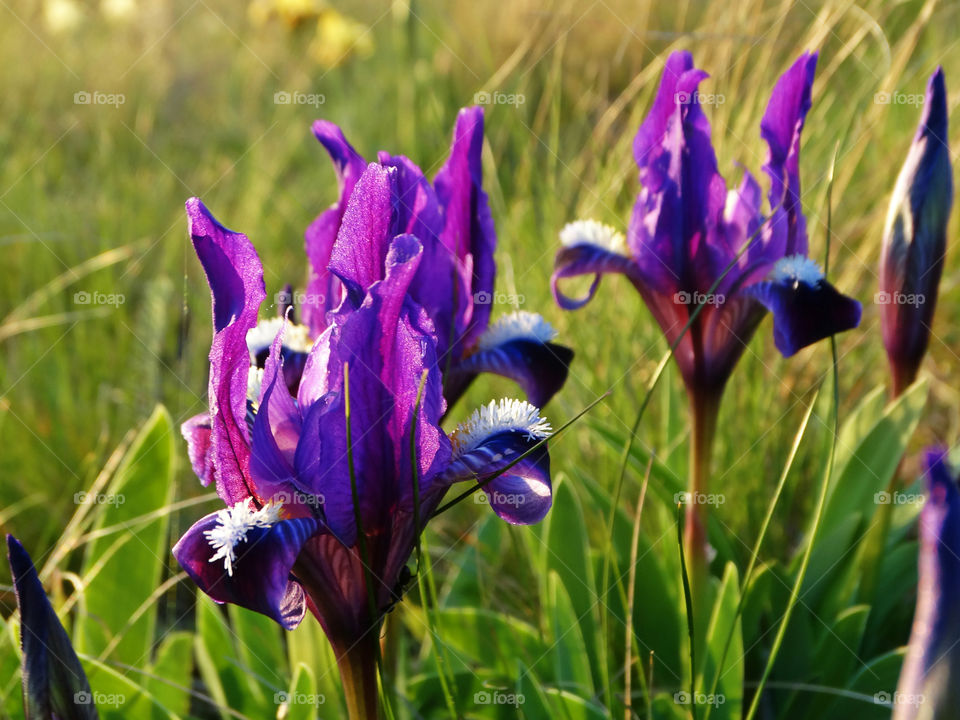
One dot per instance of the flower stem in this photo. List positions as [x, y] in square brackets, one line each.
[704, 408]
[358, 673]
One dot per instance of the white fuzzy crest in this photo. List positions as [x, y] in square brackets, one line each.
[796, 268]
[295, 337]
[233, 525]
[505, 414]
[593, 232]
[518, 324]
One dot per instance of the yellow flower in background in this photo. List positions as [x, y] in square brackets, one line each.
[62, 15]
[292, 12]
[338, 38]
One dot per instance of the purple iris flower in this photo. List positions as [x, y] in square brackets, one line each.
[291, 537]
[54, 684]
[915, 240]
[930, 679]
[454, 284]
[687, 228]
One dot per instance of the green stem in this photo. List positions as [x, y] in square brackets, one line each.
[358, 674]
[704, 409]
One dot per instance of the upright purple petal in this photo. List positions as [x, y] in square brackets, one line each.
[323, 289]
[468, 231]
[369, 223]
[276, 428]
[387, 343]
[235, 276]
[781, 127]
[682, 200]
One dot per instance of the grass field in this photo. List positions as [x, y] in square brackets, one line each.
[104, 313]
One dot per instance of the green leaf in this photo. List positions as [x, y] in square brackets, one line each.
[307, 645]
[302, 701]
[571, 667]
[723, 621]
[870, 684]
[123, 568]
[481, 638]
[567, 554]
[871, 444]
[172, 673]
[259, 643]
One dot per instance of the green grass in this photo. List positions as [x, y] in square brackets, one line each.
[77, 181]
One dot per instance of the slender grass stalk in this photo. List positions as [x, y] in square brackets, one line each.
[824, 484]
[755, 553]
[631, 590]
[688, 604]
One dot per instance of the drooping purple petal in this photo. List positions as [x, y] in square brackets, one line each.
[323, 289]
[54, 684]
[196, 431]
[805, 307]
[235, 276]
[518, 346]
[781, 127]
[260, 571]
[521, 495]
[931, 669]
[468, 231]
[584, 258]
[369, 223]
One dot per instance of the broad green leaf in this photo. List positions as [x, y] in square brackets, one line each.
[123, 569]
[837, 656]
[571, 667]
[259, 643]
[871, 445]
[307, 645]
[870, 687]
[479, 638]
[301, 701]
[567, 554]
[534, 700]
[173, 673]
[119, 695]
[464, 587]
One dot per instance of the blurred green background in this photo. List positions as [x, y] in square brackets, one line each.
[91, 201]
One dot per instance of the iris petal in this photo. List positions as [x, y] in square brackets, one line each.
[521, 495]
[260, 579]
[323, 289]
[54, 684]
[540, 368]
[235, 276]
[196, 431]
[587, 259]
[805, 312]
